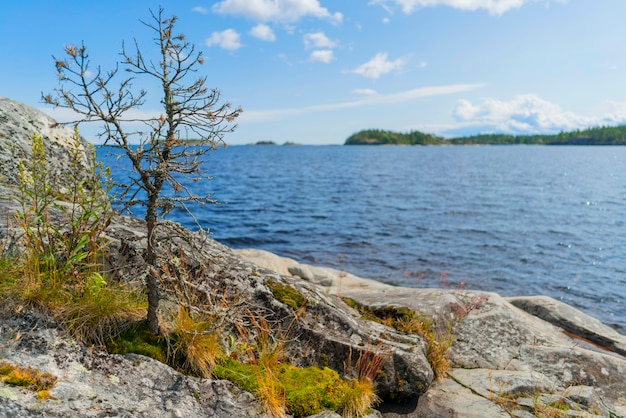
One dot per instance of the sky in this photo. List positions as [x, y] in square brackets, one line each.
[317, 71]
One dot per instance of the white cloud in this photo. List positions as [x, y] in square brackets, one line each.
[494, 7]
[252, 116]
[263, 32]
[201, 10]
[318, 40]
[364, 92]
[379, 65]
[526, 114]
[228, 39]
[325, 56]
[422, 64]
[276, 10]
[386, 20]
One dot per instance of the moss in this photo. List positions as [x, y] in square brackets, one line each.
[43, 395]
[306, 391]
[311, 390]
[27, 377]
[140, 340]
[286, 294]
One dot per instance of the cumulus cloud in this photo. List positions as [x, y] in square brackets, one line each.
[527, 114]
[283, 11]
[263, 32]
[379, 65]
[494, 7]
[228, 39]
[325, 56]
[318, 40]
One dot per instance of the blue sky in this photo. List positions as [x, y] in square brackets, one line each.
[316, 71]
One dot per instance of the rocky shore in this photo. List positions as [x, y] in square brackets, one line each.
[520, 357]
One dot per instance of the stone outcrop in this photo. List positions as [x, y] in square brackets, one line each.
[509, 357]
[18, 123]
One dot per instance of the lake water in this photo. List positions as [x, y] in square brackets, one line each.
[517, 220]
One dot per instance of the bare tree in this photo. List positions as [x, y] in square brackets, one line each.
[160, 158]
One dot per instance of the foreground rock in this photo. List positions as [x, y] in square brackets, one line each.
[505, 361]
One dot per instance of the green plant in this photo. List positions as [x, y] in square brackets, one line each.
[60, 269]
[139, 340]
[438, 342]
[74, 243]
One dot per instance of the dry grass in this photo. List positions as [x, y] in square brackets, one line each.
[196, 341]
[98, 316]
[361, 395]
[438, 341]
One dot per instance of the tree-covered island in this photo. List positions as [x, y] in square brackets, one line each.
[593, 136]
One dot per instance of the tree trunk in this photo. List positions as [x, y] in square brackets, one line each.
[152, 284]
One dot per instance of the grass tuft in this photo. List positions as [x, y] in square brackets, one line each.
[196, 342]
[438, 341]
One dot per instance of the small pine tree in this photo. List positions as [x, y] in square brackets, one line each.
[160, 158]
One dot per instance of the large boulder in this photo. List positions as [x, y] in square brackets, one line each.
[18, 123]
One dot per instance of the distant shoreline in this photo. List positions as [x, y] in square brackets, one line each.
[593, 136]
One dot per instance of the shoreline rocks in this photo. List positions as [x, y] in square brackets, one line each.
[509, 356]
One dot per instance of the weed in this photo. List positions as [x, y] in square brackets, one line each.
[101, 312]
[361, 396]
[60, 270]
[438, 342]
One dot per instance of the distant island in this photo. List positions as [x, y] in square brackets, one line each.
[288, 143]
[593, 136]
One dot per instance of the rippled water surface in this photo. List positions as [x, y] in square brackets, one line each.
[518, 220]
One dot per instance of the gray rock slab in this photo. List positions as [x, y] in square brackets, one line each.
[92, 383]
[448, 399]
[572, 320]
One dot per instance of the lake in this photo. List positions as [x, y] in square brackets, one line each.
[517, 220]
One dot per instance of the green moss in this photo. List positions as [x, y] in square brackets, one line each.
[311, 390]
[286, 294]
[241, 374]
[307, 391]
[140, 340]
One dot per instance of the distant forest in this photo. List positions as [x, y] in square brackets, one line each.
[593, 136]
